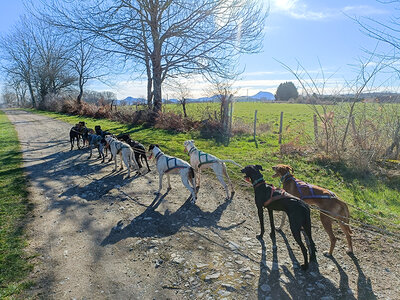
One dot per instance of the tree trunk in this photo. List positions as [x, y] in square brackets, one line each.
[157, 81]
[149, 92]
[79, 98]
[184, 107]
[32, 95]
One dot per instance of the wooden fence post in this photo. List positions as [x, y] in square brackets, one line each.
[255, 124]
[280, 128]
[316, 137]
[230, 121]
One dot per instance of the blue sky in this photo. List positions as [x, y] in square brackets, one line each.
[307, 31]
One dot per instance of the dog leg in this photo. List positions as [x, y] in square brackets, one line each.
[145, 159]
[307, 230]
[295, 228]
[185, 181]
[271, 221]
[261, 218]
[169, 183]
[347, 231]
[90, 155]
[220, 177]
[127, 162]
[120, 158]
[115, 161]
[229, 180]
[160, 176]
[283, 219]
[198, 171]
[327, 223]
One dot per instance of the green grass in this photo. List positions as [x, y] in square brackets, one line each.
[378, 196]
[14, 265]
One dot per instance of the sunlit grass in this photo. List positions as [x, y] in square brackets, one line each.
[14, 206]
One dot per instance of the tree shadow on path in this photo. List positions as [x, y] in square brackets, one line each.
[152, 223]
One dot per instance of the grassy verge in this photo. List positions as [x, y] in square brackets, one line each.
[14, 266]
[377, 196]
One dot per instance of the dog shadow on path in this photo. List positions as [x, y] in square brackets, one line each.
[152, 223]
[294, 283]
[363, 284]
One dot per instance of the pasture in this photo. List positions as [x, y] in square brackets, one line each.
[376, 195]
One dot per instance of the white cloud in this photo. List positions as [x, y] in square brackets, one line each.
[364, 10]
[298, 9]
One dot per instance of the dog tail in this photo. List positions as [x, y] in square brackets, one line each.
[231, 161]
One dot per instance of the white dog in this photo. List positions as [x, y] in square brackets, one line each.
[125, 152]
[172, 165]
[201, 160]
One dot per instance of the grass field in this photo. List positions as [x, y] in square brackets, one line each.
[14, 266]
[378, 196]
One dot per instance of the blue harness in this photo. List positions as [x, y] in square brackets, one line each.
[172, 166]
[202, 154]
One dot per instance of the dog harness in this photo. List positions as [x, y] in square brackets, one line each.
[121, 146]
[301, 184]
[272, 198]
[168, 160]
[202, 154]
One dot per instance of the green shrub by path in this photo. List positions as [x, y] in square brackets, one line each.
[378, 196]
[14, 265]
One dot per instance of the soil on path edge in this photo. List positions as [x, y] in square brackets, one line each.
[98, 235]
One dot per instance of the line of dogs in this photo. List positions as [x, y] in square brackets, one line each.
[293, 199]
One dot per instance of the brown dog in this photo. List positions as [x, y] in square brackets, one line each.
[327, 201]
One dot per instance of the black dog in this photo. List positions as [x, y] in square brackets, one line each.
[75, 134]
[103, 134]
[138, 149]
[276, 199]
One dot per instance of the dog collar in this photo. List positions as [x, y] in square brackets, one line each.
[285, 177]
[257, 181]
[158, 155]
[191, 150]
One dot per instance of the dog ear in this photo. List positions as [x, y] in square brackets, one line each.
[258, 167]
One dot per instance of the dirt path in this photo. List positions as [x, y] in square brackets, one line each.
[167, 248]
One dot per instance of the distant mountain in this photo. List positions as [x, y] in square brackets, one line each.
[263, 96]
[260, 96]
[130, 101]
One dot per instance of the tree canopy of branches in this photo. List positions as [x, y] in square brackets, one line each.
[165, 38]
[35, 59]
[286, 91]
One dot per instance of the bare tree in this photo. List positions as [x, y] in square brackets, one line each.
[87, 62]
[181, 92]
[165, 38]
[18, 53]
[222, 90]
[36, 58]
[52, 72]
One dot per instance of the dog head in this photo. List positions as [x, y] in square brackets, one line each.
[252, 172]
[82, 123]
[123, 137]
[281, 170]
[108, 139]
[189, 144]
[152, 147]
